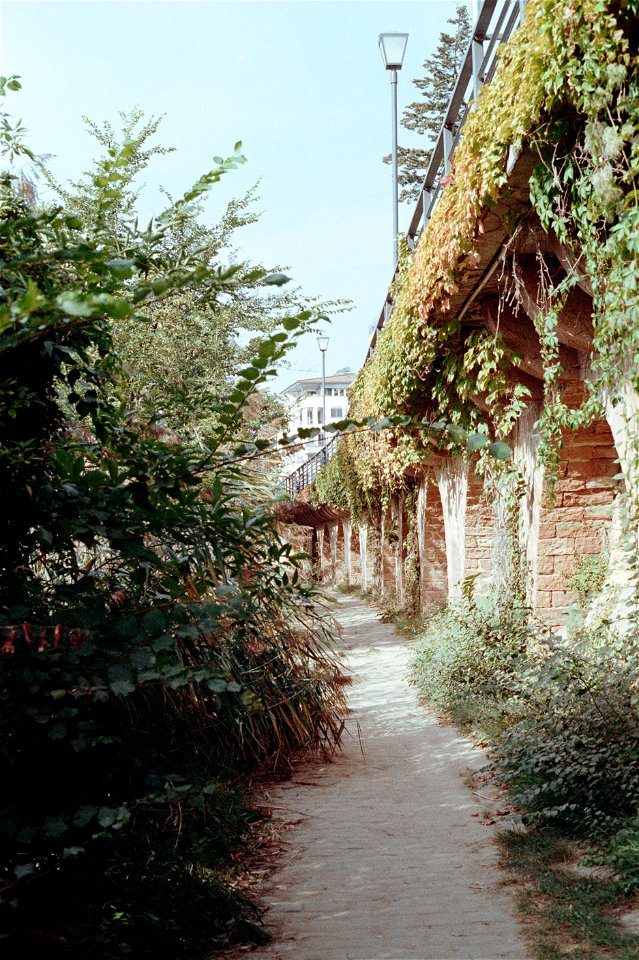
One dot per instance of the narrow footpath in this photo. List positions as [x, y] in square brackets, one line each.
[385, 859]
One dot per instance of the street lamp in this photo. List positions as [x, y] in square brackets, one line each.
[392, 47]
[322, 343]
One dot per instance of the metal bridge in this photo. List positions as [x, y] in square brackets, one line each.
[497, 20]
[304, 475]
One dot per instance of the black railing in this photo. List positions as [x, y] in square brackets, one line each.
[496, 22]
[304, 475]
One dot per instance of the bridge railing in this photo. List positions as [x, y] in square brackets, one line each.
[304, 475]
[496, 22]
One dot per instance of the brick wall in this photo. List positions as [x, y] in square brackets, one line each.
[577, 522]
[480, 529]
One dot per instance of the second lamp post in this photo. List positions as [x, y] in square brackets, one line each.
[322, 343]
[392, 48]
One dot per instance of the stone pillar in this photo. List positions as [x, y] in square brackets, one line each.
[347, 568]
[376, 553]
[622, 414]
[397, 515]
[332, 533]
[420, 520]
[363, 555]
[526, 456]
[383, 592]
[316, 554]
[321, 547]
[452, 479]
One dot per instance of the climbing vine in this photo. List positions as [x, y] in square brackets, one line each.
[570, 77]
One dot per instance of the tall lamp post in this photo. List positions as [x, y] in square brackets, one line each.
[322, 343]
[392, 48]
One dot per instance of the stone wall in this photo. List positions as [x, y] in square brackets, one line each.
[453, 528]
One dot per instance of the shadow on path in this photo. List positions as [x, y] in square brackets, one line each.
[386, 861]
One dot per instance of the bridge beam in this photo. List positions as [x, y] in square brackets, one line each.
[519, 334]
[574, 323]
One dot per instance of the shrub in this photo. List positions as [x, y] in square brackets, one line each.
[467, 661]
[562, 714]
[573, 761]
[156, 640]
[622, 854]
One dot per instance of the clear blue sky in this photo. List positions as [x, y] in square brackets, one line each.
[301, 84]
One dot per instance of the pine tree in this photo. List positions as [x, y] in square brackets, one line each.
[426, 116]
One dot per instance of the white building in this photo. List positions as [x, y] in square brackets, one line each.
[305, 405]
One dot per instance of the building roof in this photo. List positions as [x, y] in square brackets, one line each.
[301, 386]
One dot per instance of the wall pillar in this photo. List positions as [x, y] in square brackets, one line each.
[383, 592]
[363, 555]
[316, 554]
[420, 521]
[452, 479]
[397, 515]
[622, 414]
[332, 534]
[526, 456]
[347, 567]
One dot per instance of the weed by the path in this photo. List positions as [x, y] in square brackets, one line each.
[569, 915]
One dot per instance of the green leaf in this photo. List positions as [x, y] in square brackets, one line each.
[84, 815]
[500, 450]
[54, 826]
[456, 433]
[74, 304]
[477, 440]
[120, 267]
[154, 622]
[276, 279]
[122, 688]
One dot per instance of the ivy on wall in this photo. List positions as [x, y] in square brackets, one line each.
[570, 80]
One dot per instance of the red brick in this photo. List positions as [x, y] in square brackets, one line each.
[551, 584]
[547, 531]
[565, 547]
[559, 514]
[563, 598]
[565, 565]
[587, 545]
[603, 483]
[586, 439]
[546, 565]
[569, 486]
[544, 600]
[598, 513]
[592, 499]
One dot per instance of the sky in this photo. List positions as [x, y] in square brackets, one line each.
[301, 84]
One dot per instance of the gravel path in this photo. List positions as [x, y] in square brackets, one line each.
[385, 859]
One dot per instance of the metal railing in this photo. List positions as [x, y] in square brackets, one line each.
[496, 22]
[304, 475]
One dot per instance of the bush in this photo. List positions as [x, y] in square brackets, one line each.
[573, 761]
[622, 854]
[467, 662]
[562, 714]
[156, 640]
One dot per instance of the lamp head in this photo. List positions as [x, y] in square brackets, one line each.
[392, 47]
[322, 343]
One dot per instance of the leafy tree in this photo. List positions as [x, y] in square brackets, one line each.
[427, 115]
[183, 359]
[155, 638]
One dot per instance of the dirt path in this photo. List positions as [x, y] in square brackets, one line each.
[385, 859]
